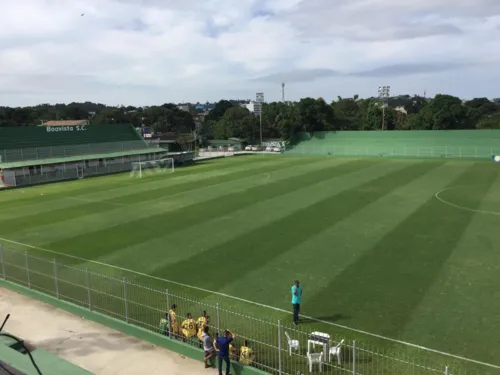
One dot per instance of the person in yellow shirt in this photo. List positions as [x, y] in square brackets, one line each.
[233, 352]
[174, 324]
[246, 354]
[201, 323]
[189, 327]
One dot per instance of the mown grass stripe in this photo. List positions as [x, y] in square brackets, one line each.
[265, 244]
[238, 222]
[316, 265]
[122, 214]
[19, 198]
[96, 243]
[392, 278]
[83, 208]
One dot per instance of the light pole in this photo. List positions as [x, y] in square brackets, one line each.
[259, 100]
[383, 96]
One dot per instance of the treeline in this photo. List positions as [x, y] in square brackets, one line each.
[279, 120]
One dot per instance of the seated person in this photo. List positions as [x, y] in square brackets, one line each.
[233, 352]
[164, 325]
[246, 354]
[189, 327]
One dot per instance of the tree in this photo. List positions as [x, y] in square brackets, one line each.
[315, 115]
[237, 122]
[220, 108]
[444, 112]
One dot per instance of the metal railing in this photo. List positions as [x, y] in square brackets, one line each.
[278, 346]
[39, 153]
[431, 151]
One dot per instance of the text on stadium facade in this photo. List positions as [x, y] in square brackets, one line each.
[77, 128]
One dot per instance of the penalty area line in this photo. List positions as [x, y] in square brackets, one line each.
[250, 302]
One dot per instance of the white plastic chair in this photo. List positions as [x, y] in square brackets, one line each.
[292, 344]
[313, 358]
[336, 351]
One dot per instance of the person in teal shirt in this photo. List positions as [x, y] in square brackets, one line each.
[296, 296]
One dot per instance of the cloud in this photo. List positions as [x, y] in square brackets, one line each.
[153, 51]
[299, 75]
[409, 69]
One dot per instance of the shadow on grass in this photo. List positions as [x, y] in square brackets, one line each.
[332, 318]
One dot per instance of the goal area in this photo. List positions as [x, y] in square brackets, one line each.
[150, 167]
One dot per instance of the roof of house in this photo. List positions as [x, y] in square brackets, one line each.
[65, 123]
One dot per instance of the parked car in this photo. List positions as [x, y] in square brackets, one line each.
[248, 148]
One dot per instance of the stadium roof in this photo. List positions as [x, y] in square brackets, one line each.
[69, 159]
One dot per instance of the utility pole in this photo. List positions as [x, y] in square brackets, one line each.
[383, 96]
[259, 101]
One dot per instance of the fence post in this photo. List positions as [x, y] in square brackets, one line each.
[218, 318]
[27, 269]
[125, 298]
[4, 276]
[447, 370]
[280, 358]
[55, 278]
[354, 357]
[170, 334]
[87, 284]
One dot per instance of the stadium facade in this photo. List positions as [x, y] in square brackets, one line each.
[40, 154]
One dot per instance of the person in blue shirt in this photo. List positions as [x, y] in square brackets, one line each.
[296, 295]
[222, 347]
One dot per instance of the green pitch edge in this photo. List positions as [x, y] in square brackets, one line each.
[118, 325]
[27, 163]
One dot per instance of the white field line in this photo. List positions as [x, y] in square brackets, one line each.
[252, 303]
[462, 207]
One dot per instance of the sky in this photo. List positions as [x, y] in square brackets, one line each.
[147, 52]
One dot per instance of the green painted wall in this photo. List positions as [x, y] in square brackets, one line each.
[118, 325]
[44, 360]
[426, 143]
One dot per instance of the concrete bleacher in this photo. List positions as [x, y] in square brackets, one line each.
[432, 143]
[42, 142]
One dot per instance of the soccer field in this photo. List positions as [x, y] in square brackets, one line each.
[406, 249]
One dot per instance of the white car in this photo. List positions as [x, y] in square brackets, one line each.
[230, 149]
[277, 149]
[248, 148]
[269, 148]
[255, 148]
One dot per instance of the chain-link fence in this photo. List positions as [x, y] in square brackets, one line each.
[277, 346]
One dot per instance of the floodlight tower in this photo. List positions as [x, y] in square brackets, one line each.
[383, 96]
[259, 100]
[283, 92]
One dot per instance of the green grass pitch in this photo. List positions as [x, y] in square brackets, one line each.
[407, 249]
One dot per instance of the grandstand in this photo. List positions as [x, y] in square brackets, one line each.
[31, 155]
[431, 143]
